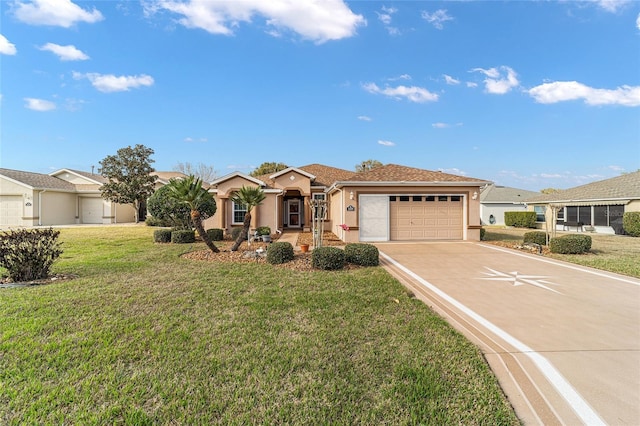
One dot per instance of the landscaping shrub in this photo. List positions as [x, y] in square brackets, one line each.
[279, 252]
[520, 219]
[162, 235]
[362, 254]
[263, 230]
[536, 237]
[631, 223]
[174, 213]
[328, 258]
[28, 254]
[183, 236]
[235, 232]
[215, 234]
[570, 244]
[154, 221]
[482, 232]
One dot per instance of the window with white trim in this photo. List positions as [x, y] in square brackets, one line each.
[239, 211]
[540, 212]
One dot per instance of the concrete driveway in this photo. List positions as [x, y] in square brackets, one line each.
[563, 340]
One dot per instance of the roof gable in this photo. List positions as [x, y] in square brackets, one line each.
[37, 180]
[238, 174]
[276, 175]
[78, 177]
[505, 194]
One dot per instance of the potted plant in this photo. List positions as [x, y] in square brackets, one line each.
[265, 233]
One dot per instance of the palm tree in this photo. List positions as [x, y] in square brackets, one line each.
[189, 191]
[250, 197]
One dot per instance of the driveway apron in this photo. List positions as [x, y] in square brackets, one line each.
[563, 340]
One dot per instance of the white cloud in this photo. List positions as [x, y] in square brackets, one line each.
[39, 104]
[386, 143]
[437, 18]
[412, 93]
[612, 5]
[60, 13]
[6, 47]
[472, 84]
[66, 53]
[638, 21]
[560, 91]
[450, 80]
[364, 118]
[386, 17]
[319, 21]
[440, 125]
[108, 83]
[400, 77]
[616, 168]
[499, 80]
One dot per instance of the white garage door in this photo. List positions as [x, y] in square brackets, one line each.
[11, 210]
[374, 218]
[431, 217]
[91, 209]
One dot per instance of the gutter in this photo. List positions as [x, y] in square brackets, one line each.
[341, 184]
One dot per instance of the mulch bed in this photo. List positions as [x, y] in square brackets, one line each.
[5, 282]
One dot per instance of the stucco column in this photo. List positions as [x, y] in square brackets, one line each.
[307, 214]
[254, 217]
[223, 213]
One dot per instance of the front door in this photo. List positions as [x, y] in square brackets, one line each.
[293, 213]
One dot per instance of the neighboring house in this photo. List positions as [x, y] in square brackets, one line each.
[598, 205]
[388, 203]
[63, 197]
[496, 200]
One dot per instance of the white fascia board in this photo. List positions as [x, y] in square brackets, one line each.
[292, 169]
[239, 174]
[17, 182]
[403, 183]
[58, 172]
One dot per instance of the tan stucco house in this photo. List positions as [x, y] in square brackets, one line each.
[63, 197]
[388, 203]
[597, 206]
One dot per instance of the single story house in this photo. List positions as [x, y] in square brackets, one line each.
[597, 206]
[63, 197]
[495, 200]
[387, 203]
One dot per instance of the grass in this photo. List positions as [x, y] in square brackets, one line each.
[613, 253]
[143, 336]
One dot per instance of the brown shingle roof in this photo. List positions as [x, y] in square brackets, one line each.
[326, 175]
[397, 173]
[93, 176]
[38, 180]
[166, 176]
[505, 194]
[620, 187]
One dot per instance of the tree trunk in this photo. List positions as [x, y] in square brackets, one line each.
[197, 222]
[245, 230]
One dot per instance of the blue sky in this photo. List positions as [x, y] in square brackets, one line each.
[527, 94]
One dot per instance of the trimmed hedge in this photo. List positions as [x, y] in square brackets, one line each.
[183, 236]
[362, 254]
[536, 237]
[631, 223]
[162, 235]
[520, 219]
[328, 258]
[29, 254]
[279, 252]
[215, 234]
[570, 244]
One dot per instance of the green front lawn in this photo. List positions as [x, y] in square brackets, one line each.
[143, 336]
[613, 253]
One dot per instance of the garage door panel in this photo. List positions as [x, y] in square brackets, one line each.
[91, 210]
[440, 219]
[11, 210]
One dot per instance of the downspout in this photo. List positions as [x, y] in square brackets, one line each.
[40, 206]
[276, 217]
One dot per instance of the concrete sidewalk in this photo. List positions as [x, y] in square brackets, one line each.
[563, 340]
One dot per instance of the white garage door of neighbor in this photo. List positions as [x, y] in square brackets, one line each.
[91, 210]
[430, 217]
[374, 217]
[10, 210]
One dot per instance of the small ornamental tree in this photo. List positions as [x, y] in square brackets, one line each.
[163, 206]
[189, 191]
[129, 176]
[249, 196]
